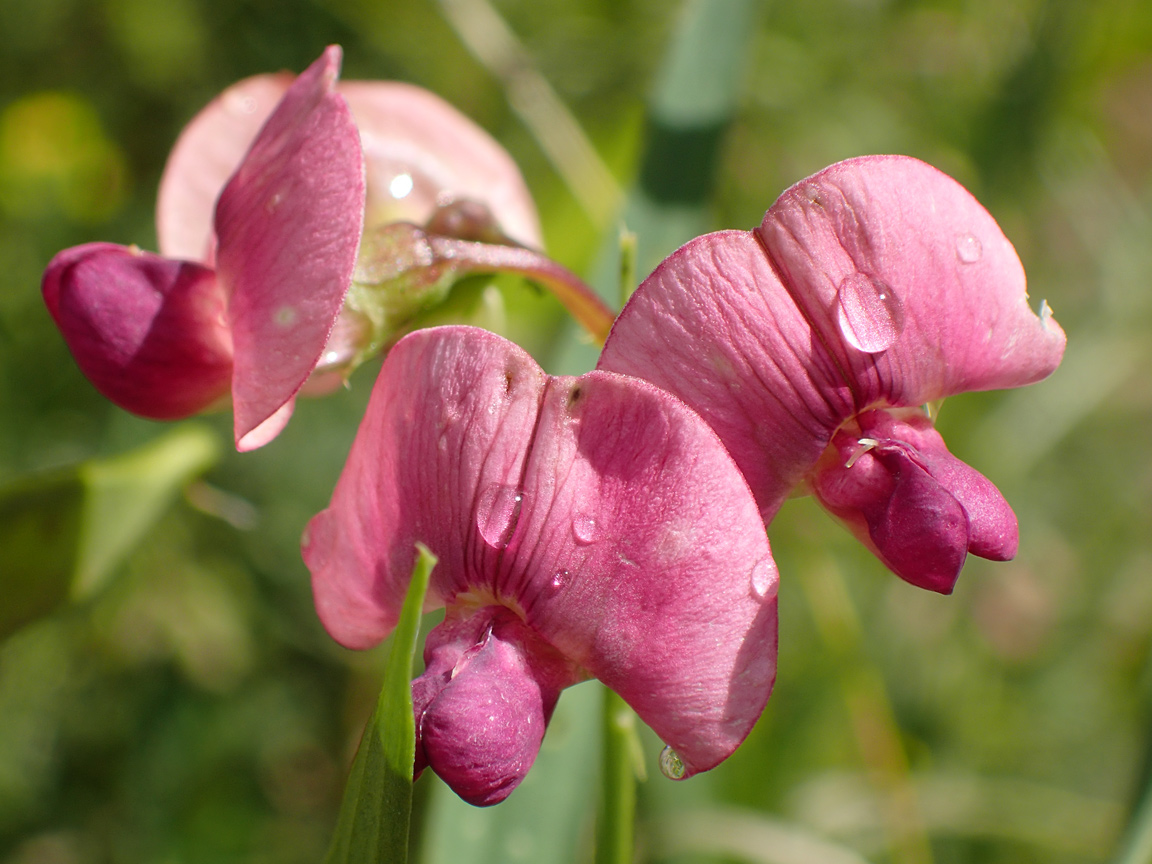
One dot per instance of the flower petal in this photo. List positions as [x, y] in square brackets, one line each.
[483, 702]
[409, 132]
[438, 459]
[714, 326]
[288, 225]
[910, 280]
[644, 560]
[600, 509]
[147, 331]
[915, 505]
[205, 155]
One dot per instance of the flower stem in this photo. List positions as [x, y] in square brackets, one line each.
[616, 829]
[578, 298]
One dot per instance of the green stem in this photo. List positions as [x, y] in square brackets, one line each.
[616, 833]
[580, 300]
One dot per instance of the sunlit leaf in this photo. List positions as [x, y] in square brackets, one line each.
[377, 809]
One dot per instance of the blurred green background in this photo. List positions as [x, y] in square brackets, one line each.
[166, 693]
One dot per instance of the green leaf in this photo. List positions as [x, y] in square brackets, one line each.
[125, 496]
[39, 532]
[377, 808]
[63, 533]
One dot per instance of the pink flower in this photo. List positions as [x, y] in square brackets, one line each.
[585, 527]
[166, 338]
[810, 343]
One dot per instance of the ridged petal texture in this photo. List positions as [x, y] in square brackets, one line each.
[879, 283]
[596, 525]
[288, 226]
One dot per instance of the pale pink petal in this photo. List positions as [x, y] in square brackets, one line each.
[600, 509]
[714, 326]
[269, 429]
[408, 132]
[910, 282]
[288, 225]
[147, 331]
[206, 154]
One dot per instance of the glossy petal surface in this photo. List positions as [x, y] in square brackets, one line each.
[147, 331]
[288, 225]
[599, 510]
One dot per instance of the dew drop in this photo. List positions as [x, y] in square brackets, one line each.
[497, 514]
[583, 528]
[401, 186]
[870, 315]
[764, 579]
[671, 765]
[968, 249]
[560, 580]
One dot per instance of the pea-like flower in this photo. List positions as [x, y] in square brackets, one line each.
[585, 527]
[166, 338]
[810, 345]
[303, 226]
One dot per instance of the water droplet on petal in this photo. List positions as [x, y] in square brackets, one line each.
[870, 315]
[497, 514]
[671, 765]
[401, 186]
[764, 579]
[560, 580]
[968, 249]
[583, 528]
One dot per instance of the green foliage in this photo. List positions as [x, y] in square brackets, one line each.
[377, 808]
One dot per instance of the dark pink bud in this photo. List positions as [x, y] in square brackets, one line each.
[149, 332]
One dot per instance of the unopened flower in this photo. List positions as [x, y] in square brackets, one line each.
[872, 288]
[585, 527]
[165, 338]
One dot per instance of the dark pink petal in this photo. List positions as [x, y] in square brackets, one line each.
[206, 154]
[714, 326]
[410, 133]
[994, 531]
[910, 281]
[600, 510]
[921, 510]
[288, 225]
[148, 332]
[488, 690]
